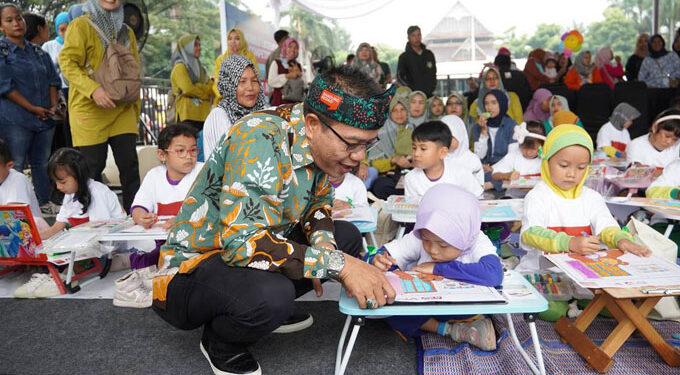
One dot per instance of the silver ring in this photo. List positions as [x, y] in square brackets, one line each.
[371, 303]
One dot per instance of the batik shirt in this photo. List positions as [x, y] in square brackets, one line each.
[256, 187]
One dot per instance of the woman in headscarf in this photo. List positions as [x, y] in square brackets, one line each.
[581, 72]
[417, 104]
[604, 71]
[556, 104]
[435, 108]
[96, 121]
[491, 80]
[660, 69]
[534, 71]
[635, 60]
[493, 133]
[241, 94]
[236, 45]
[284, 69]
[365, 63]
[676, 43]
[539, 106]
[614, 136]
[190, 82]
[456, 104]
[392, 153]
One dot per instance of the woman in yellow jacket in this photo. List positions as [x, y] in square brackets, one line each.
[96, 120]
[190, 83]
[491, 79]
[236, 45]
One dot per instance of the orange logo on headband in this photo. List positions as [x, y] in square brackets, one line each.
[331, 100]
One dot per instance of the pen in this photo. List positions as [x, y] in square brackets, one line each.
[349, 200]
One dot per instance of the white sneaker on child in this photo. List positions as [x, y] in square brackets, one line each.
[28, 289]
[129, 291]
[48, 288]
[479, 333]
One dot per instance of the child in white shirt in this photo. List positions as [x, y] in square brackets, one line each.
[16, 188]
[562, 215]
[164, 188]
[447, 241]
[348, 192]
[660, 146]
[459, 150]
[524, 161]
[430, 147]
[613, 137]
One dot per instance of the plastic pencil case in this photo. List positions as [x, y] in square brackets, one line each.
[559, 289]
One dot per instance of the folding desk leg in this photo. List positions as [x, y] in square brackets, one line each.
[69, 274]
[531, 319]
[401, 231]
[669, 229]
[518, 345]
[372, 237]
[341, 359]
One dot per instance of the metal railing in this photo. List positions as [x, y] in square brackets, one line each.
[152, 118]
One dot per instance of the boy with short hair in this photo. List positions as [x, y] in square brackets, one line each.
[660, 146]
[430, 148]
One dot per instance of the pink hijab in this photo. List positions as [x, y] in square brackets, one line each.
[534, 111]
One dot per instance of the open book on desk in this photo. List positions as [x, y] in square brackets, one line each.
[415, 287]
[357, 215]
[128, 230]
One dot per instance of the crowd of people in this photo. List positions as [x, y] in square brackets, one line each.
[251, 182]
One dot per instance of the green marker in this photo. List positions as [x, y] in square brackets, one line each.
[349, 200]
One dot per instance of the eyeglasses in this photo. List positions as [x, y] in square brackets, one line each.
[182, 152]
[352, 147]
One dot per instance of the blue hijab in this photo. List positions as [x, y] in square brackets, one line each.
[61, 18]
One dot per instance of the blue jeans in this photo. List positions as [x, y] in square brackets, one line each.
[31, 147]
[372, 176]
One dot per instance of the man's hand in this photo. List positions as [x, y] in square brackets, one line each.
[584, 245]
[339, 205]
[363, 282]
[103, 99]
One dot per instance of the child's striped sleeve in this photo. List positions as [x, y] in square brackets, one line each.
[611, 236]
[545, 239]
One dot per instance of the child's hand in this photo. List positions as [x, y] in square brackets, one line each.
[657, 172]
[145, 219]
[383, 262]
[633, 248]
[584, 245]
[424, 268]
[514, 175]
[169, 223]
[401, 162]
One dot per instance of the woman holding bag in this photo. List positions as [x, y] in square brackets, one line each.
[96, 120]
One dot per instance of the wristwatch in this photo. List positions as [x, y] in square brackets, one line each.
[336, 262]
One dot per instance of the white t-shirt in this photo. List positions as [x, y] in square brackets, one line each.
[470, 161]
[515, 161]
[18, 189]
[409, 251]
[159, 195]
[352, 188]
[215, 126]
[481, 146]
[670, 176]
[642, 151]
[104, 205]
[53, 48]
[543, 207]
[416, 183]
[608, 135]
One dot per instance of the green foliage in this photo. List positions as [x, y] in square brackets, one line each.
[640, 12]
[316, 31]
[547, 36]
[615, 31]
[388, 55]
[518, 44]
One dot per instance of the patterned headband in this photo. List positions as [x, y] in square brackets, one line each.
[363, 113]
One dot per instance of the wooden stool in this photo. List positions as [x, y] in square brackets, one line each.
[630, 315]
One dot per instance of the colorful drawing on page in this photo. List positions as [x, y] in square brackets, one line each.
[420, 283]
[419, 287]
[18, 234]
[497, 212]
[598, 265]
[399, 204]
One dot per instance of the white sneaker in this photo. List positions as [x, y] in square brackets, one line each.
[28, 289]
[146, 275]
[129, 291]
[47, 288]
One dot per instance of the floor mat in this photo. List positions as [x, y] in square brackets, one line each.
[440, 355]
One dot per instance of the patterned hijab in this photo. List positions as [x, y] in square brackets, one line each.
[561, 137]
[623, 113]
[230, 73]
[110, 22]
[184, 54]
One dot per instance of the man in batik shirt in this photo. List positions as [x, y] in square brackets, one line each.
[256, 226]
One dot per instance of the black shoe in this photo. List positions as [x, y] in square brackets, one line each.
[239, 364]
[297, 322]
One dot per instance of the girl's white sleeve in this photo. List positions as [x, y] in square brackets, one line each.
[405, 250]
[275, 79]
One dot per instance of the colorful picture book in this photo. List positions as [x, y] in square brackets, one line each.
[634, 178]
[616, 269]
[18, 234]
[502, 210]
[414, 287]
